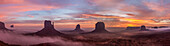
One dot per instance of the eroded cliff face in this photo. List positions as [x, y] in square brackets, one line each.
[3, 28]
[78, 29]
[100, 28]
[143, 28]
[48, 30]
[2, 25]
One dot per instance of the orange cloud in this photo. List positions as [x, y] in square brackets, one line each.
[131, 25]
[28, 24]
[124, 22]
[137, 20]
[2, 16]
[121, 18]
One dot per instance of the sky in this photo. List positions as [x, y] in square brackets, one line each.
[69, 13]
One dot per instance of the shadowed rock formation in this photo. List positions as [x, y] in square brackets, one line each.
[2, 27]
[78, 29]
[155, 27]
[100, 28]
[132, 28]
[12, 26]
[143, 28]
[159, 27]
[48, 30]
[163, 27]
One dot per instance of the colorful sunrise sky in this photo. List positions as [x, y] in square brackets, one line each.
[68, 13]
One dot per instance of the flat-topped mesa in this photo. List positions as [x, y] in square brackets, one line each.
[100, 28]
[2, 26]
[48, 30]
[143, 28]
[47, 24]
[132, 28]
[78, 28]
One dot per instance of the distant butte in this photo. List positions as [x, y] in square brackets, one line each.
[48, 30]
[132, 28]
[99, 28]
[143, 28]
[78, 29]
[2, 27]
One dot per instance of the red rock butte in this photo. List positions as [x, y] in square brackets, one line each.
[143, 28]
[100, 28]
[2, 26]
[78, 29]
[48, 30]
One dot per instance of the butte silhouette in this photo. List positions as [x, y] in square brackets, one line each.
[132, 28]
[48, 30]
[78, 29]
[143, 28]
[2, 27]
[99, 28]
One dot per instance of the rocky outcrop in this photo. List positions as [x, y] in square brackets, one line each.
[2, 27]
[143, 28]
[48, 30]
[100, 28]
[78, 29]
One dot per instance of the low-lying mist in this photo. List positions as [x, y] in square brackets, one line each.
[19, 39]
